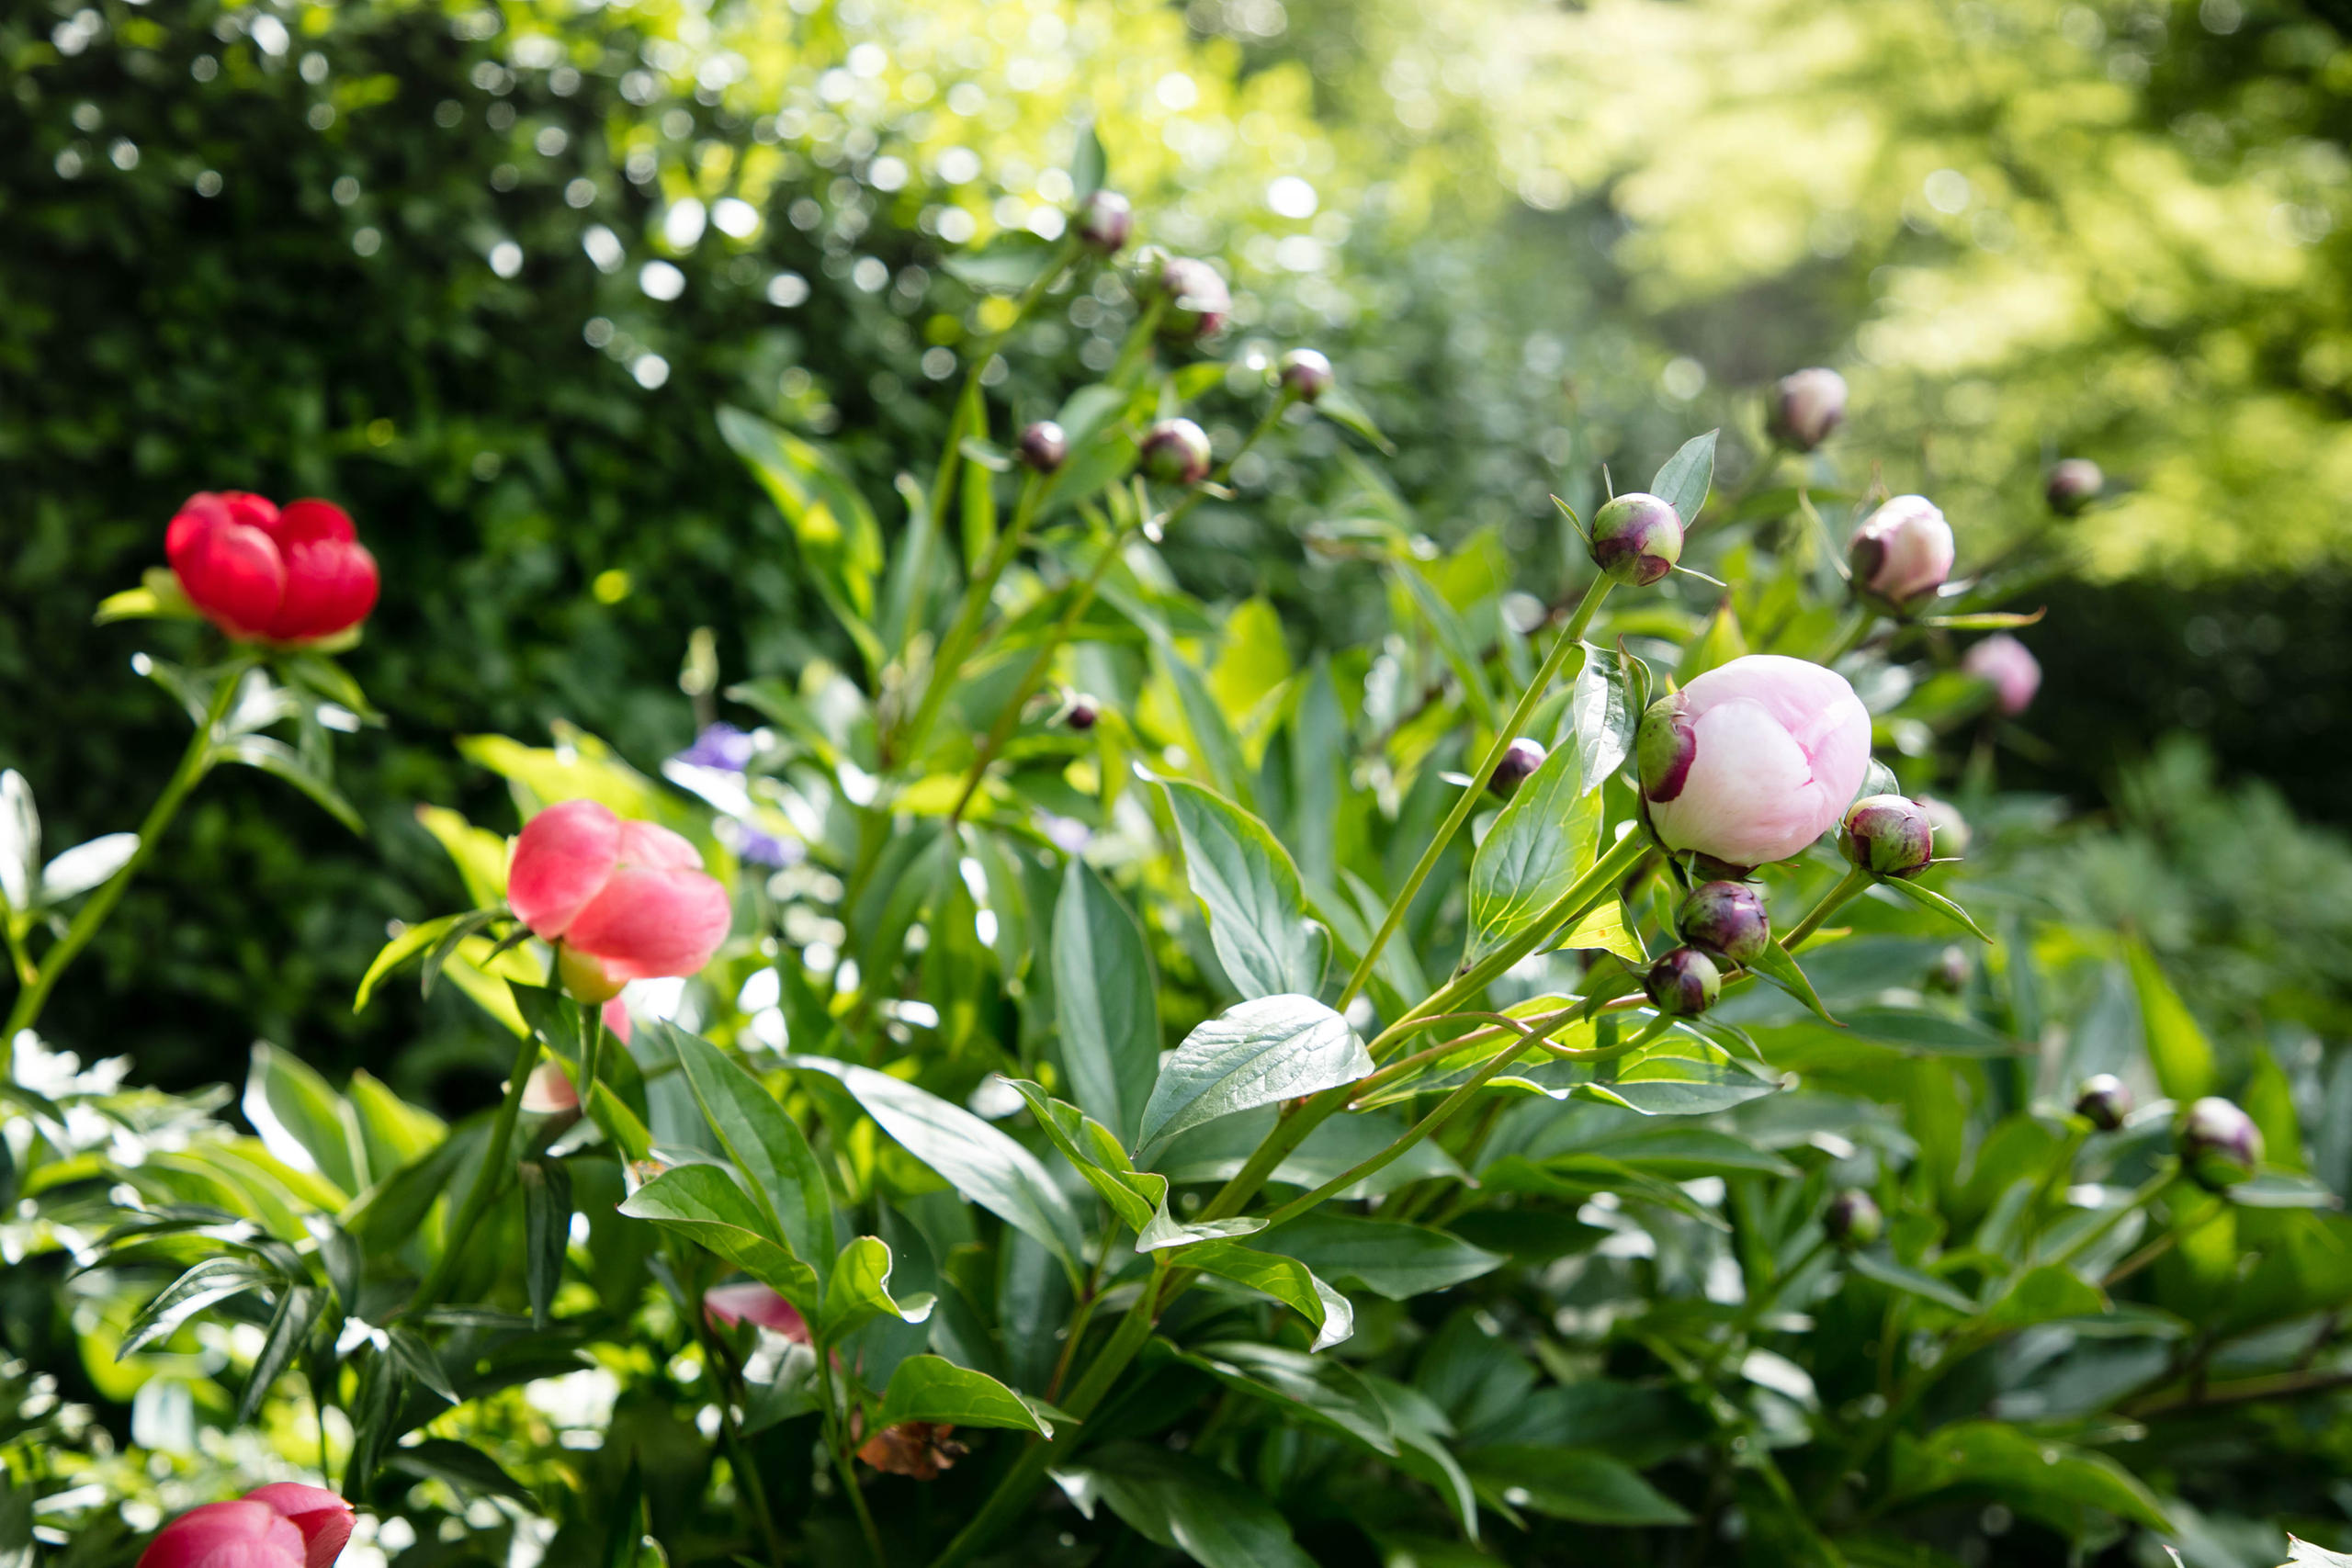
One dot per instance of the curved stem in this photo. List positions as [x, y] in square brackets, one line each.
[1853, 882]
[962, 635]
[194, 763]
[1571, 639]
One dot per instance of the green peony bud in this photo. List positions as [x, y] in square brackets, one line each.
[1044, 447]
[1305, 373]
[1853, 1220]
[1684, 983]
[2220, 1145]
[1104, 220]
[1887, 835]
[1727, 919]
[1636, 539]
[2103, 1100]
[1522, 758]
[1176, 452]
[2074, 484]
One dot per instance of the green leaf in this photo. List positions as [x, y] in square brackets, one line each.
[1711, 649]
[1928, 899]
[1008, 265]
[1286, 1279]
[702, 1204]
[1683, 481]
[859, 1292]
[838, 539]
[1909, 1280]
[415, 1357]
[1089, 166]
[2176, 1047]
[762, 1142]
[976, 1159]
[1604, 709]
[1250, 888]
[1921, 1034]
[1339, 406]
[282, 1089]
[1104, 1001]
[214, 1279]
[1269, 1049]
[1569, 1483]
[1776, 965]
[460, 1465]
[289, 1331]
[933, 1388]
[2033, 1474]
[1452, 639]
[277, 759]
[1398, 1261]
[2043, 1294]
[1184, 1504]
[1540, 844]
[413, 941]
[1140, 1198]
[546, 1231]
[1325, 1392]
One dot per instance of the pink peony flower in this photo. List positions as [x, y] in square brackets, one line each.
[629, 899]
[755, 1303]
[266, 575]
[281, 1525]
[1754, 760]
[2015, 673]
[323, 1517]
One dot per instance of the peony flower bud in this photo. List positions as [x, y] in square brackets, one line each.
[549, 1091]
[325, 1518]
[1950, 975]
[2103, 1100]
[1080, 715]
[1196, 303]
[1305, 373]
[2014, 672]
[1105, 221]
[1176, 452]
[1727, 919]
[625, 900]
[1754, 760]
[756, 1304]
[1806, 408]
[1901, 553]
[1044, 447]
[1637, 538]
[1520, 760]
[228, 1535]
[1684, 983]
[266, 575]
[1888, 835]
[1951, 827]
[2074, 484]
[1853, 1220]
[2220, 1144]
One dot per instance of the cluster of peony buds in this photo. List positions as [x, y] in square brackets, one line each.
[263, 573]
[619, 900]
[1900, 555]
[285, 1525]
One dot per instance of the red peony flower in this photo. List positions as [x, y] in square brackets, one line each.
[268, 575]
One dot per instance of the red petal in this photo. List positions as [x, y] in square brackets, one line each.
[565, 854]
[230, 570]
[253, 511]
[330, 585]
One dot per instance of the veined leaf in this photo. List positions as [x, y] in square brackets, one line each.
[1570, 1483]
[1261, 1051]
[1683, 480]
[1541, 843]
[1105, 1001]
[1398, 1261]
[933, 1388]
[1184, 1504]
[1604, 709]
[1140, 1198]
[763, 1142]
[859, 1292]
[1286, 1279]
[214, 1279]
[703, 1203]
[1250, 888]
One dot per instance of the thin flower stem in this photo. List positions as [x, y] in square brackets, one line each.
[1571, 639]
[1853, 882]
[837, 1439]
[961, 636]
[194, 763]
[1850, 632]
[953, 451]
[488, 1180]
[747, 1476]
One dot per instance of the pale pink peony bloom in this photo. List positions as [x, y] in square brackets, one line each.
[630, 895]
[1754, 760]
[2014, 672]
[1902, 552]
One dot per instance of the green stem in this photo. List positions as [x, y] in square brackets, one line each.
[1853, 882]
[954, 452]
[1571, 639]
[729, 1377]
[488, 1180]
[194, 763]
[837, 1439]
[1850, 632]
[961, 636]
[1758, 1302]
[2146, 1194]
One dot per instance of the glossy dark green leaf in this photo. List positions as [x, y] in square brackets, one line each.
[1105, 1001]
[2033, 1474]
[857, 1291]
[762, 1142]
[1339, 406]
[1604, 709]
[1388, 1258]
[1270, 1049]
[1569, 1483]
[1246, 881]
[289, 1335]
[460, 1465]
[1909, 1280]
[931, 1388]
[1683, 481]
[1185, 1505]
[214, 1279]
[546, 1231]
[1286, 1279]
[703, 1203]
[417, 1357]
[1776, 965]
[276, 758]
[1928, 898]
[1324, 1391]
[2043, 1295]
[283, 1088]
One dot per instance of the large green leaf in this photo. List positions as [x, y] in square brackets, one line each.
[764, 1144]
[933, 1388]
[214, 1279]
[857, 1291]
[1398, 1261]
[1105, 1001]
[282, 1089]
[2176, 1047]
[978, 1161]
[1569, 1483]
[2051, 1480]
[1183, 1503]
[1324, 1391]
[1286, 1279]
[1272, 1048]
[703, 1203]
[1541, 843]
[839, 537]
[1140, 1198]
[1604, 708]
[1246, 881]
[1682, 481]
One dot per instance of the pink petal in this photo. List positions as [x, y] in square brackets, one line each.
[644, 924]
[549, 1090]
[323, 1517]
[331, 584]
[313, 521]
[655, 848]
[564, 856]
[616, 1019]
[753, 1303]
[1749, 797]
[227, 1534]
[230, 570]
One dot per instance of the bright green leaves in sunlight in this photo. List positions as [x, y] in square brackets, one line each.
[1684, 478]
[764, 1144]
[1541, 842]
[1138, 1198]
[1604, 709]
[1269, 1049]
[931, 1388]
[840, 539]
[703, 1203]
[859, 1292]
[1105, 1001]
[1248, 884]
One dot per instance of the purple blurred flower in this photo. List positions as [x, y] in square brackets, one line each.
[755, 848]
[1067, 833]
[720, 746]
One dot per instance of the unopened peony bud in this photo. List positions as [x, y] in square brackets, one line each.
[1176, 452]
[263, 574]
[1684, 983]
[1521, 759]
[2009, 667]
[286, 1525]
[2220, 1144]
[1951, 827]
[323, 1517]
[1044, 447]
[1754, 760]
[1105, 221]
[2103, 1100]
[1853, 1220]
[1901, 554]
[2074, 484]
[1950, 974]
[1888, 835]
[1806, 408]
[1195, 302]
[1081, 714]
[1727, 919]
[1305, 373]
[1637, 538]
[622, 900]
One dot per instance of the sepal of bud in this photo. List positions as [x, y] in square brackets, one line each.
[1043, 447]
[1520, 760]
[1853, 1220]
[1081, 715]
[1887, 835]
[1637, 538]
[1684, 983]
[585, 979]
[2220, 1145]
[1807, 407]
[1727, 919]
[1176, 452]
[2103, 1100]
